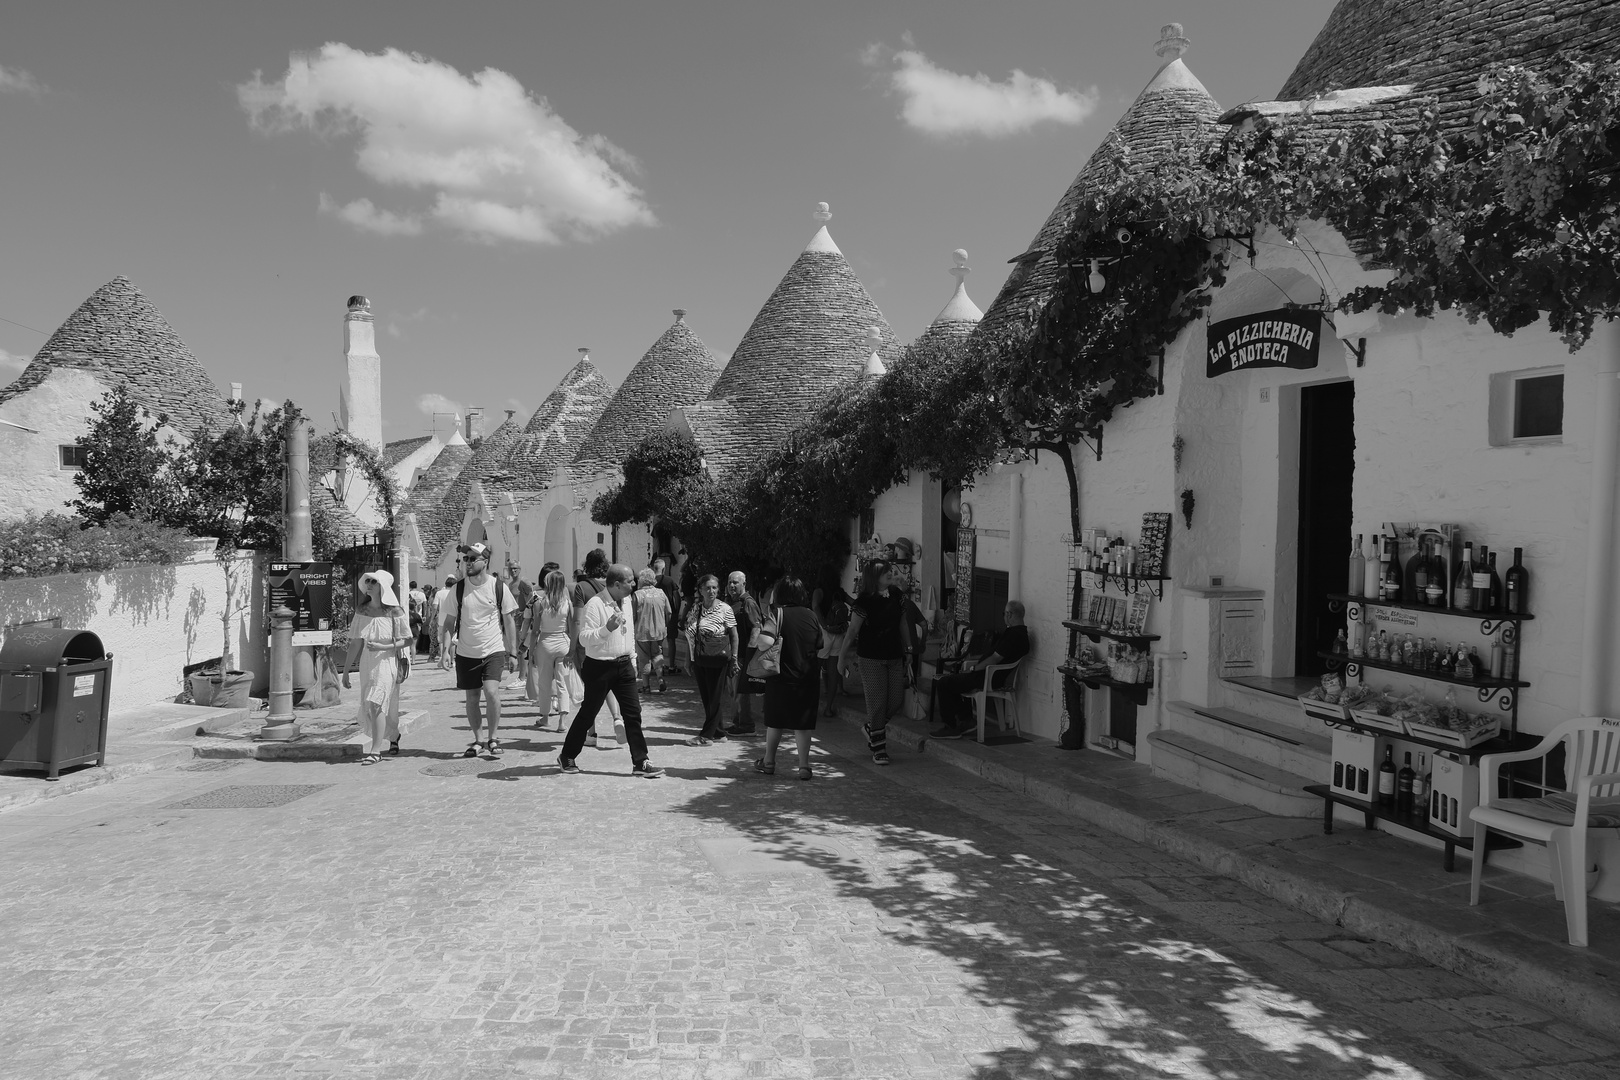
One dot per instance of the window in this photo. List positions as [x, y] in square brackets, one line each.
[1527, 407]
[72, 456]
[1538, 406]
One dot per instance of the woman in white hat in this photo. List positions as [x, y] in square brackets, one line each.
[378, 637]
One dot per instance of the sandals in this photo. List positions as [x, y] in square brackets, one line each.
[472, 749]
[370, 759]
[761, 767]
[806, 774]
[878, 743]
[393, 748]
[494, 747]
[700, 740]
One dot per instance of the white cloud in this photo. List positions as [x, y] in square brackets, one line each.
[498, 161]
[11, 364]
[18, 81]
[429, 404]
[941, 102]
[364, 215]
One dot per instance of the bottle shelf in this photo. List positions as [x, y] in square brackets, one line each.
[1504, 743]
[1129, 583]
[1419, 823]
[1489, 682]
[1497, 616]
[1095, 632]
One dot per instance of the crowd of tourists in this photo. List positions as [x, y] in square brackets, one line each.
[586, 651]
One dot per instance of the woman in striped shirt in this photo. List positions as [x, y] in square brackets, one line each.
[712, 628]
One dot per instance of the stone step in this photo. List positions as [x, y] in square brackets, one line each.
[1256, 738]
[1268, 705]
[1192, 761]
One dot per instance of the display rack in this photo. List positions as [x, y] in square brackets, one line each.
[1418, 823]
[1096, 632]
[1504, 689]
[1135, 692]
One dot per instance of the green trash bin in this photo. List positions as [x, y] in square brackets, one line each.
[54, 693]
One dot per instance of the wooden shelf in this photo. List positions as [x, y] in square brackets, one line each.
[1418, 823]
[1095, 632]
[1490, 682]
[1457, 613]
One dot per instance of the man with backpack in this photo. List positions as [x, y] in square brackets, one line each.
[486, 642]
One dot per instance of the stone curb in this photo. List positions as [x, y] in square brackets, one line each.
[300, 749]
[1504, 962]
[166, 753]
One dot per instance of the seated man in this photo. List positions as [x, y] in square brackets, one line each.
[956, 708]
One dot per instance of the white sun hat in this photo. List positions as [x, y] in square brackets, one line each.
[384, 579]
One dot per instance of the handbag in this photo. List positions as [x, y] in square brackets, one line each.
[402, 664]
[767, 659]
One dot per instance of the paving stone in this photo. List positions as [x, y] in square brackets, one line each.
[422, 918]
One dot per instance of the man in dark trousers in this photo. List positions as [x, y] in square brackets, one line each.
[955, 707]
[607, 634]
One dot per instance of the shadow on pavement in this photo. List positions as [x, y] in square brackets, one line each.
[1100, 984]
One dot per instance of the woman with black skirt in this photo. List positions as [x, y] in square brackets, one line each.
[792, 694]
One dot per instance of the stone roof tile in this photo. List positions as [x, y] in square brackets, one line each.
[400, 449]
[118, 335]
[557, 428]
[677, 370]
[440, 525]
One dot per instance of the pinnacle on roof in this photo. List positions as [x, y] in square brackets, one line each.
[555, 431]
[806, 342]
[874, 362]
[118, 335]
[1172, 107]
[960, 314]
[677, 370]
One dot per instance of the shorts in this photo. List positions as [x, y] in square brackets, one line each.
[649, 650]
[473, 672]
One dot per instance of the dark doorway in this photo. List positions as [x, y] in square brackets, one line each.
[989, 599]
[1327, 461]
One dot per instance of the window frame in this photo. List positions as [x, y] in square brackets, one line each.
[62, 452]
[1504, 407]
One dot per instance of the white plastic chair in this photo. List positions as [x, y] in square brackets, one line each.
[1005, 696]
[1561, 822]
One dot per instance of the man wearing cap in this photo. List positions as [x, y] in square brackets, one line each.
[482, 608]
[607, 636]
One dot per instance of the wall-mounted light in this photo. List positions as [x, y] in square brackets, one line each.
[1096, 280]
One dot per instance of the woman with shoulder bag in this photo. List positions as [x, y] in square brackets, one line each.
[378, 638]
[711, 626]
[793, 689]
[877, 638]
[551, 648]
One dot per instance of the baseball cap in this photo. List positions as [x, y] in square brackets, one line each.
[477, 551]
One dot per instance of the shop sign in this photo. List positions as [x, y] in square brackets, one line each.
[1288, 337]
[306, 588]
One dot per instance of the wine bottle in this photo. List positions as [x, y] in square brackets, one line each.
[1386, 778]
[1495, 603]
[1482, 582]
[1516, 584]
[1358, 568]
[1341, 644]
[1438, 581]
[1373, 572]
[1464, 667]
[1462, 586]
[1391, 585]
[1420, 789]
[1417, 572]
[1498, 659]
[1405, 786]
[1444, 666]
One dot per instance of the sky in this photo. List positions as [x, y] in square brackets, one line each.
[509, 182]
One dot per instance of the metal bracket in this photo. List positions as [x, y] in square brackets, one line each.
[1359, 348]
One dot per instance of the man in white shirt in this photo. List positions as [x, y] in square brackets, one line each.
[607, 636]
[486, 642]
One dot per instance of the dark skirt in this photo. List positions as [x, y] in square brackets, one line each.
[791, 704]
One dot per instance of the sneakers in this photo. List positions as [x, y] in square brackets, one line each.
[663, 687]
[878, 743]
[700, 740]
[567, 764]
[590, 738]
[646, 770]
[618, 731]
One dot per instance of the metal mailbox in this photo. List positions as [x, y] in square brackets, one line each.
[54, 695]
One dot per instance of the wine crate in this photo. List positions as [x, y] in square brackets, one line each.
[1355, 763]
[1324, 711]
[1372, 719]
[1455, 792]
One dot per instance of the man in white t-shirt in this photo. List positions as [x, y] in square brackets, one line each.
[444, 617]
[486, 642]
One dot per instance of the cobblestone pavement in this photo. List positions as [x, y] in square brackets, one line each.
[438, 917]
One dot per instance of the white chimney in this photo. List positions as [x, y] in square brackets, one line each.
[360, 400]
[236, 391]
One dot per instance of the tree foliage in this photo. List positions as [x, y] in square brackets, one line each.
[127, 470]
[38, 545]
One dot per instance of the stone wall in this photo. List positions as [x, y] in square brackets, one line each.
[155, 620]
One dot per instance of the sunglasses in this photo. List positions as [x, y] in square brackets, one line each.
[473, 558]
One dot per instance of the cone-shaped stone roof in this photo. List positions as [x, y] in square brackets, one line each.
[678, 370]
[960, 314]
[440, 525]
[557, 428]
[400, 449]
[1172, 108]
[120, 336]
[808, 340]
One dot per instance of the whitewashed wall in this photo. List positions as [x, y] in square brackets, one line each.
[58, 409]
[155, 620]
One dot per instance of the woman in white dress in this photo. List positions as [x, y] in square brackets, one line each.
[378, 638]
[551, 649]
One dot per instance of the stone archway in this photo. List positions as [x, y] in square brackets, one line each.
[558, 540]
